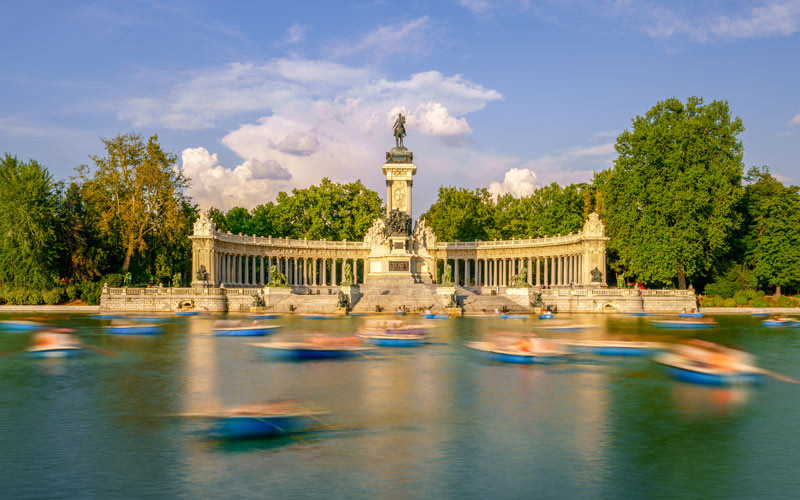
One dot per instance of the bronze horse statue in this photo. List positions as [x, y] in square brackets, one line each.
[399, 130]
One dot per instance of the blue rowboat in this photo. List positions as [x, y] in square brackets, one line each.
[688, 371]
[246, 331]
[546, 316]
[320, 316]
[263, 316]
[105, 316]
[760, 315]
[493, 352]
[690, 315]
[307, 350]
[134, 329]
[639, 314]
[395, 340]
[20, 326]
[245, 427]
[265, 420]
[615, 347]
[683, 324]
[185, 313]
[56, 352]
[513, 316]
[778, 323]
[437, 316]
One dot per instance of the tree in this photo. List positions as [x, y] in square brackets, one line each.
[330, 211]
[548, 211]
[772, 243]
[29, 210]
[669, 201]
[137, 193]
[461, 214]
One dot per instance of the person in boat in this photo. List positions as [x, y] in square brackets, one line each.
[56, 338]
[714, 356]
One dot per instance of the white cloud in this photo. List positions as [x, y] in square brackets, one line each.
[295, 33]
[795, 120]
[431, 118]
[409, 37]
[519, 182]
[476, 6]
[769, 18]
[334, 120]
[252, 182]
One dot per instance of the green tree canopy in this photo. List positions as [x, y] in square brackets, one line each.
[29, 223]
[461, 214]
[548, 211]
[669, 200]
[136, 193]
[772, 242]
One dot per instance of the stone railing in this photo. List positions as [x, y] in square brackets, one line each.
[289, 243]
[515, 243]
[181, 291]
[616, 292]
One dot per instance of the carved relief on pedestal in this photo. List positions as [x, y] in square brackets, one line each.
[204, 226]
[423, 236]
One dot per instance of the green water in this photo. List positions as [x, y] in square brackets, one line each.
[429, 422]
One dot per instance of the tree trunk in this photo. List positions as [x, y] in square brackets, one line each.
[127, 262]
[777, 291]
[681, 278]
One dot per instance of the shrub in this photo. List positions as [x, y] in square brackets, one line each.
[707, 301]
[785, 301]
[717, 301]
[53, 296]
[90, 292]
[760, 301]
[728, 303]
[73, 292]
[737, 277]
[742, 297]
[114, 280]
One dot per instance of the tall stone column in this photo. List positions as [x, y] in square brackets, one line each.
[538, 272]
[466, 272]
[388, 198]
[530, 270]
[455, 266]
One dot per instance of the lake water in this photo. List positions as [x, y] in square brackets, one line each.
[428, 422]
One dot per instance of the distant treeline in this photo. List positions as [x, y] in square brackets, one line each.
[677, 205]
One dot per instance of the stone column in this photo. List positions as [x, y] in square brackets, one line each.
[466, 272]
[388, 198]
[246, 278]
[538, 269]
[296, 271]
[455, 271]
[530, 270]
[324, 272]
[262, 271]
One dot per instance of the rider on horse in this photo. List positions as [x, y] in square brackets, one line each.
[399, 130]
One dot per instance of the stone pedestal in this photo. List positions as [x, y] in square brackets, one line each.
[520, 296]
[453, 311]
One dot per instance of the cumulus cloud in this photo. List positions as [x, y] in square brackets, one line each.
[795, 120]
[431, 118]
[323, 119]
[519, 182]
[250, 183]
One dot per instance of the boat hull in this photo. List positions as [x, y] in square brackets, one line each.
[437, 316]
[395, 341]
[704, 378]
[682, 324]
[615, 350]
[779, 324]
[186, 313]
[260, 427]
[546, 316]
[134, 330]
[690, 315]
[513, 316]
[14, 326]
[243, 332]
[57, 353]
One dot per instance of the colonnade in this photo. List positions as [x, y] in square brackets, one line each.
[255, 270]
[558, 270]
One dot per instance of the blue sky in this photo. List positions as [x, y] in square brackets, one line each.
[259, 97]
